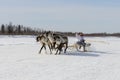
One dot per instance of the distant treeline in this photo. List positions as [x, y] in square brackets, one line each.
[92, 34]
[10, 29]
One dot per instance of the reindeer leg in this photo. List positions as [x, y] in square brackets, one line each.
[45, 49]
[56, 52]
[50, 49]
[59, 52]
[66, 46]
[41, 49]
[54, 45]
[60, 48]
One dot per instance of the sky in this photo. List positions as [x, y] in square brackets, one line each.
[88, 16]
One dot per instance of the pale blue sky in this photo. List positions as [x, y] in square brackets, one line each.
[88, 16]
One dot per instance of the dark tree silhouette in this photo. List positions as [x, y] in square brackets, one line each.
[2, 29]
[10, 29]
[19, 29]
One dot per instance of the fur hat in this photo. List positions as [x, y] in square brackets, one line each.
[81, 34]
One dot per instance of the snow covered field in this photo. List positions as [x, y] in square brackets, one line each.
[19, 60]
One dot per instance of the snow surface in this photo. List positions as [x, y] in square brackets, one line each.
[19, 60]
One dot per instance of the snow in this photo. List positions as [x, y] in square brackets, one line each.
[19, 60]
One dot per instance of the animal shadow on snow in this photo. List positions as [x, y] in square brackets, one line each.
[90, 54]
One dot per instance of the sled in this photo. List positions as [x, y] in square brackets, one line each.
[80, 47]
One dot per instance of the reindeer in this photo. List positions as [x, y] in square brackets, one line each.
[61, 41]
[58, 40]
[44, 41]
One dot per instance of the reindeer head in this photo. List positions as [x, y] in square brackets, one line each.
[37, 38]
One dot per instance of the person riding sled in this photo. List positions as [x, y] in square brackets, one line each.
[81, 40]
